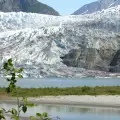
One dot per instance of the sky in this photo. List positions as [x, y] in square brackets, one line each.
[66, 7]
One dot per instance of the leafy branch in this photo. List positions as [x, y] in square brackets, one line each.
[12, 75]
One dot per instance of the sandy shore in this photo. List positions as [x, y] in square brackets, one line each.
[97, 101]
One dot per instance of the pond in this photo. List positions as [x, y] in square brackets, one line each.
[63, 82]
[72, 112]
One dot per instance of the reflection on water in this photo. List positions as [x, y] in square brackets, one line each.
[63, 82]
[66, 112]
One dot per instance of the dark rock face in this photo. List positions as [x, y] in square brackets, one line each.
[10, 5]
[86, 9]
[115, 63]
[89, 58]
[80, 58]
[32, 6]
[97, 6]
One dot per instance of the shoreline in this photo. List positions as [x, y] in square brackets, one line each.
[85, 100]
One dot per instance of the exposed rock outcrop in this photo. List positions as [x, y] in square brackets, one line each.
[91, 58]
[32, 6]
[96, 6]
[115, 63]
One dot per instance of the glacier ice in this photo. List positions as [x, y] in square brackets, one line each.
[37, 42]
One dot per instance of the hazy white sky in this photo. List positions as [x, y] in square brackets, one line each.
[65, 7]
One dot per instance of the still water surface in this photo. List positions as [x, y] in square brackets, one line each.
[72, 112]
[69, 112]
[63, 82]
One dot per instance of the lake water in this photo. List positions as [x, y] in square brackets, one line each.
[66, 112]
[72, 112]
[64, 82]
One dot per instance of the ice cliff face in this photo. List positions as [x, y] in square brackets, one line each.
[97, 6]
[60, 46]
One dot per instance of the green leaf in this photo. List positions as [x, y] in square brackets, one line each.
[13, 78]
[13, 74]
[8, 79]
[12, 86]
[10, 62]
[5, 65]
[8, 90]
[24, 108]
[20, 76]
[9, 111]
[15, 117]
[2, 117]
[18, 70]
[14, 81]
[31, 105]
[39, 116]
[21, 70]
[33, 118]
[3, 109]
[14, 111]
[45, 114]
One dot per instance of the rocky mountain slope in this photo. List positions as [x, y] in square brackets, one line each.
[96, 6]
[61, 45]
[32, 6]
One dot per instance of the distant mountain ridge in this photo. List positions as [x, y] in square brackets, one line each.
[96, 6]
[32, 6]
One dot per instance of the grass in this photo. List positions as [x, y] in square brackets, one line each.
[36, 92]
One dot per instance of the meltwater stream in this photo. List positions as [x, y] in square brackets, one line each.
[63, 82]
[71, 112]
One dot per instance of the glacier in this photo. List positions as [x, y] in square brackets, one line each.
[60, 46]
